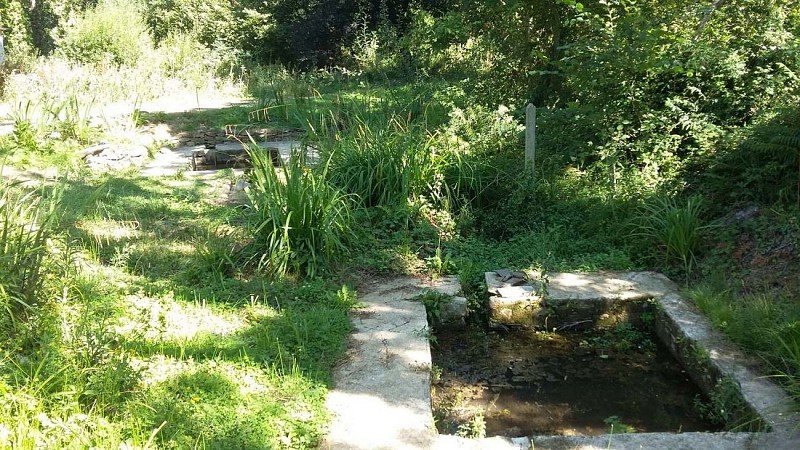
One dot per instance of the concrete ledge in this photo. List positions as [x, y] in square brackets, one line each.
[569, 300]
[447, 442]
[710, 358]
[638, 441]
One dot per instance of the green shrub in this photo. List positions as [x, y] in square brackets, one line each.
[763, 165]
[299, 221]
[183, 57]
[479, 147]
[20, 52]
[433, 302]
[30, 120]
[474, 428]
[114, 31]
[726, 407]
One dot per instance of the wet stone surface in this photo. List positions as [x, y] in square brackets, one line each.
[567, 383]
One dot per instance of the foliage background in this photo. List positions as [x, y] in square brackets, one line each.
[668, 139]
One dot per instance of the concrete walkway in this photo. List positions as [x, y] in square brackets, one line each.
[381, 398]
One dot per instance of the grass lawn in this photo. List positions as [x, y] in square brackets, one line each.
[157, 338]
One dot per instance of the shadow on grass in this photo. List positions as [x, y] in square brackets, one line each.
[204, 407]
[302, 323]
[313, 339]
[192, 120]
[156, 229]
[262, 386]
[289, 349]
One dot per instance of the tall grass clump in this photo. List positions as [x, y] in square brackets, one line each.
[27, 223]
[28, 421]
[789, 370]
[283, 95]
[383, 165]
[677, 228]
[767, 325]
[300, 223]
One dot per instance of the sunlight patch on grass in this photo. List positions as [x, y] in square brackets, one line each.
[109, 230]
[164, 319]
[232, 405]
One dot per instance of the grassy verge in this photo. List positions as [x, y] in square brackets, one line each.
[750, 287]
[152, 343]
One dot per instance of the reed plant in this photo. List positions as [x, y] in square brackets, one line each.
[383, 165]
[300, 222]
[788, 372]
[30, 118]
[28, 219]
[676, 227]
[76, 118]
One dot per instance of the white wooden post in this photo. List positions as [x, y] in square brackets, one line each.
[530, 137]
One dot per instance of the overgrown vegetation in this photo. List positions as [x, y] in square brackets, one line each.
[115, 333]
[301, 223]
[27, 228]
[667, 140]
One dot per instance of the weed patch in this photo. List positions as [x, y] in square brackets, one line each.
[28, 226]
[299, 222]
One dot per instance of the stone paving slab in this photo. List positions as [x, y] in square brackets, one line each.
[638, 441]
[585, 286]
[170, 162]
[381, 398]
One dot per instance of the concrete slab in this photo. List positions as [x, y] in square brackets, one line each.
[515, 291]
[638, 441]
[381, 398]
[584, 286]
[607, 286]
[170, 162]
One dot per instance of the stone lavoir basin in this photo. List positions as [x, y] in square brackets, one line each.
[603, 360]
